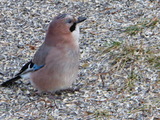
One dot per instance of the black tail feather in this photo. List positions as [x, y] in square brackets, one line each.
[10, 81]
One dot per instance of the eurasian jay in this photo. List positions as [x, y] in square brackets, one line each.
[55, 65]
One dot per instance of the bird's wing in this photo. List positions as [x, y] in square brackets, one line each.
[27, 68]
[41, 54]
[38, 60]
[37, 63]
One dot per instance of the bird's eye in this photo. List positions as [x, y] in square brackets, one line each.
[69, 21]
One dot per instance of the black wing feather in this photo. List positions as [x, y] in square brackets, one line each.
[28, 67]
[17, 76]
[10, 81]
[25, 67]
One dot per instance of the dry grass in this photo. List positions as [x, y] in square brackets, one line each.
[137, 28]
[126, 57]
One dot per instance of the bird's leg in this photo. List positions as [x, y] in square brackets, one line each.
[52, 96]
[71, 90]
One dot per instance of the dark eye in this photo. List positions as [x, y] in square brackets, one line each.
[69, 21]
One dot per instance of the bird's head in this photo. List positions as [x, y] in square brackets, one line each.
[65, 23]
[64, 29]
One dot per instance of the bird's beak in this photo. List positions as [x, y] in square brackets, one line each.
[80, 19]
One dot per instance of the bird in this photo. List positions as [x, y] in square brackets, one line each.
[55, 64]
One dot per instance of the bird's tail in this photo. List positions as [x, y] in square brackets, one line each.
[10, 81]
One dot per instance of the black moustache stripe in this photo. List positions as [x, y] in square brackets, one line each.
[73, 27]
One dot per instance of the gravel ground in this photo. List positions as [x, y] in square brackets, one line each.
[118, 77]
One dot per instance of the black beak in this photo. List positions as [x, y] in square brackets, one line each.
[81, 19]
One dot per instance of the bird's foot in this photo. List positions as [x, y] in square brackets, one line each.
[69, 90]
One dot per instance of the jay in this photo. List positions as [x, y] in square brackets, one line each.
[55, 64]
